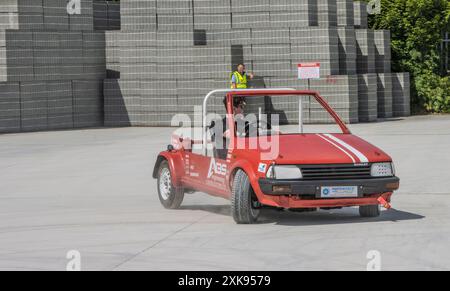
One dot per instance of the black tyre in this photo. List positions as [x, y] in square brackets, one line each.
[243, 200]
[370, 210]
[170, 196]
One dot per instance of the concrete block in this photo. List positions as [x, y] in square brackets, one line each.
[368, 100]
[345, 13]
[212, 21]
[211, 6]
[401, 94]
[365, 45]
[360, 14]
[385, 105]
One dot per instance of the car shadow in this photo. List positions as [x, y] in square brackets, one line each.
[384, 120]
[320, 217]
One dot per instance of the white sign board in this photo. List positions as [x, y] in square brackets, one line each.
[308, 71]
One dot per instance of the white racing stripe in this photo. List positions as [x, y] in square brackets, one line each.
[361, 156]
[340, 148]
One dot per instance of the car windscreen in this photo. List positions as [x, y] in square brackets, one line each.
[282, 114]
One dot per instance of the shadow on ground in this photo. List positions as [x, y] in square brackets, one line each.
[384, 120]
[321, 217]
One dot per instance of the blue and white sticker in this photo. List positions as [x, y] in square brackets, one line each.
[262, 168]
[339, 192]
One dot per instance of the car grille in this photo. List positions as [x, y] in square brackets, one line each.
[335, 172]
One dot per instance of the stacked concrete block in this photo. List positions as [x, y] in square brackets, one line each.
[271, 13]
[382, 51]
[21, 14]
[360, 14]
[347, 51]
[175, 22]
[59, 15]
[113, 15]
[341, 92]
[368, 98]
[286, 107]
[384, 92]
[48, 105]
[401, 94]
[212, 21]
[101, 15]
[365, 51]
[175, 15]
[116, 113]
[16, 56]
[106, 15]
[212, 14]
[47, 15]
[327, 13]
[34, 105]
[345, 13]
[87, 103]
[290, 13]
[229, 37]
[155, 102]
[272, 60]
[68, 55]
[137, 55]
[171, 53]
[315, 45]
[138, 15]
[9, 107]
[212, 62]
[49, 62]
[59, 104]
[43, 55]
[112, 53]
[55, 15]
[85, 20]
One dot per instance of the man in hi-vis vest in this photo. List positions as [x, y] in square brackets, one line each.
[239, 78]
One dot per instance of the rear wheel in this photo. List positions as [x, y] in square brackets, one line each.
[370, 210]
[170, 196]
[244, 204]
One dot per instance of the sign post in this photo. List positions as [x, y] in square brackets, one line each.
[306, 71]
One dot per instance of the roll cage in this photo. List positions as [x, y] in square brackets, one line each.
[231, 93]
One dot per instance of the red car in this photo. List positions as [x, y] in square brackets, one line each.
[310, 171]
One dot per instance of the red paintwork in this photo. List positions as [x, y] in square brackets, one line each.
[191, 170]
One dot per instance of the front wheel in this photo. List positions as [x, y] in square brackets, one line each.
[243, 200]
[170, 196]
[370, 210]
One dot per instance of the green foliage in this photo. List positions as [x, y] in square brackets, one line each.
[434, 91]
[416, 28]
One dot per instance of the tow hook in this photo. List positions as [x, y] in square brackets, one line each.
[384, 203]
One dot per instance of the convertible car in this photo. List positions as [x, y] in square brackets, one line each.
[309, 171]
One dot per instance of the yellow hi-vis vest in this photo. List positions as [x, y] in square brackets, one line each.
[241, 81]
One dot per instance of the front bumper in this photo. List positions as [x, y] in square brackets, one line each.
[312, 188]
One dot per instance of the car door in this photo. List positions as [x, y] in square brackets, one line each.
[206, 172]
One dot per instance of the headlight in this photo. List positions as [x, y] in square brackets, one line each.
[382, 170]
[284, 172]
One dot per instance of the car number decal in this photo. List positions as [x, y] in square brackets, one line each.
[262, 168]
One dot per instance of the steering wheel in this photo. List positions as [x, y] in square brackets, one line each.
[254, 127]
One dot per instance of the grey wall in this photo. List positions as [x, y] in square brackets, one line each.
[156, 48]
[68, 71]
[52, 66]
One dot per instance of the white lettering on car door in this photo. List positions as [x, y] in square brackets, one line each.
[217, 168]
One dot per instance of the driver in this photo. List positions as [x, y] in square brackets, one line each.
[239, 104]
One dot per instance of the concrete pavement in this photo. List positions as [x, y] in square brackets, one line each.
[92, 191]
